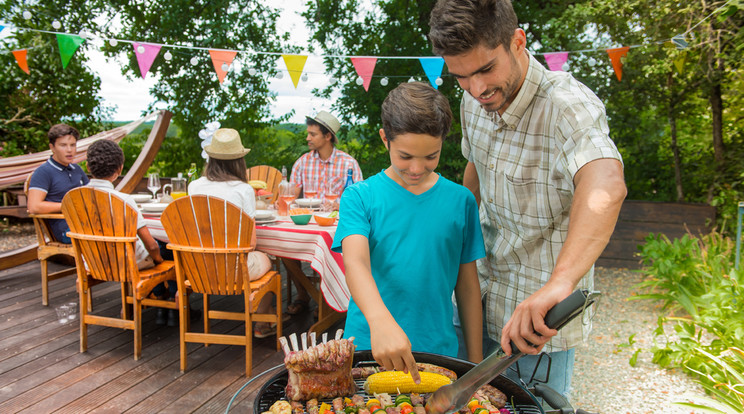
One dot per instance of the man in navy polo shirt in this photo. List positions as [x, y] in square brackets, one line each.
[53, 179]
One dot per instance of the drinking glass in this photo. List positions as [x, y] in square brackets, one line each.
[286, 196]
[310, 190]
[332, 192]
[153, 184]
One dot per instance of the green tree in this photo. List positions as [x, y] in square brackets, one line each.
[384, 28]
[32, 103]
[193, 92]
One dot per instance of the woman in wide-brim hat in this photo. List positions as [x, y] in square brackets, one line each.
[225, 177]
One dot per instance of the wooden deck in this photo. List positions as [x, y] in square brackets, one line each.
[42, 370]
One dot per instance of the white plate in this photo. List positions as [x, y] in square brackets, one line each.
[308, 202]
[156, 207]
[141, 198]
[266, 221]
[264, 215]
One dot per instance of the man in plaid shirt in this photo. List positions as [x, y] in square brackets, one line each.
[548, 178]
[323, 168]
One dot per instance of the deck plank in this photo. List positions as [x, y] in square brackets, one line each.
[42, 370]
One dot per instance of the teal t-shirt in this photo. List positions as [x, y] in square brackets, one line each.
[416, 245]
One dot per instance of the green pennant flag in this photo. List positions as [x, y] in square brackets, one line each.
[68, 44]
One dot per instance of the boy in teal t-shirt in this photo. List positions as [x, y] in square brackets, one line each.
[410, 238]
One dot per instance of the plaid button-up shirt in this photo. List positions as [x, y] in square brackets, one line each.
[526, 160]
[309, 168]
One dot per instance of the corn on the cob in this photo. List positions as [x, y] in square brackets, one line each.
[396, 382]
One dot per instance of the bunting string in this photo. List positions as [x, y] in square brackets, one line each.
[223, 59]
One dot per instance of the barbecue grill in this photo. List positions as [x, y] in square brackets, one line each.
[519, 399]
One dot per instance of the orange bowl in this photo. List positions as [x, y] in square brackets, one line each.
[325, 221]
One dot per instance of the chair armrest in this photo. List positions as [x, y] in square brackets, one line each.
[48, 216]
[192, 249]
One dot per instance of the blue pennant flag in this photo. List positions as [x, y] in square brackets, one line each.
[433, 68]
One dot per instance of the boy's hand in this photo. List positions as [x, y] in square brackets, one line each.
[392, 349]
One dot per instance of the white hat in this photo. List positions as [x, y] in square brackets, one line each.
[226, 145]
[327, 120]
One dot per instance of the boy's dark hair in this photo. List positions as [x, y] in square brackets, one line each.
[323, 129]
[458, 26]
[60, 130]
[226, 170]
[417, 108]
[104, 158]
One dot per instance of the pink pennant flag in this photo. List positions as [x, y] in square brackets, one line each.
[220, 57]
[146, 57]
[556, 60]
[364, 68]
[617, 64]
[20, 57]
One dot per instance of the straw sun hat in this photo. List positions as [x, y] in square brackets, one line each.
[327, 120]
[226, 145]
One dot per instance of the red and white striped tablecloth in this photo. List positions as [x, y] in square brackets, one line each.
[310, 243]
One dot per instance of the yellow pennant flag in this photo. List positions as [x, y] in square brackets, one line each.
[295, 64]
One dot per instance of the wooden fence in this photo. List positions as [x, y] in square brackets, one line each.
[640, 218]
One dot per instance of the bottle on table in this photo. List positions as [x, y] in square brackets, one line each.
[191, 173]
[349, 178]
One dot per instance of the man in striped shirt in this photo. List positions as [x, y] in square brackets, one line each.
[548, 178]
[323, 169]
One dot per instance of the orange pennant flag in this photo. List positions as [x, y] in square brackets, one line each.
[615, 55]
[295, 64]
[219, 58]
[20, 57]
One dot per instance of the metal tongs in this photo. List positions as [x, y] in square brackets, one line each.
[450, 398]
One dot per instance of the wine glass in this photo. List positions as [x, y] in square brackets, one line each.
[310, 190]
[153, 184]
[332, 192]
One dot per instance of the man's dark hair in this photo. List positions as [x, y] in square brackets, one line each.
[104, 158]
[60, 130]
[458, 26]
[323, 129]
[416, 108]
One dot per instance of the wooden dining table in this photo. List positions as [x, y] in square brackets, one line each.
[309, 243]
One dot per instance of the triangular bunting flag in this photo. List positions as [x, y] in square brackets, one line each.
[20, 57]
[220, 57]
[679, 41]
[556, 60]
[148, 55]
[365, 67]
[295, 64]
[615, 55]
[679, 62]
[68, 44]
[1, 28]
[433, 68]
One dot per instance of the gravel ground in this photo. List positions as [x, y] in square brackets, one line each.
[15, 235]
[604, 381]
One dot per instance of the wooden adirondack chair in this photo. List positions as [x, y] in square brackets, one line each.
[49, 247]
[103, 229]
[211, 238]
[271, 175]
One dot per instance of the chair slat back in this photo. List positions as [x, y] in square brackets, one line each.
[211, 239]
[113, 223]
[267, 173]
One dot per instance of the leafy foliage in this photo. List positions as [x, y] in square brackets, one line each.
[32, 103]
[704, 295]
